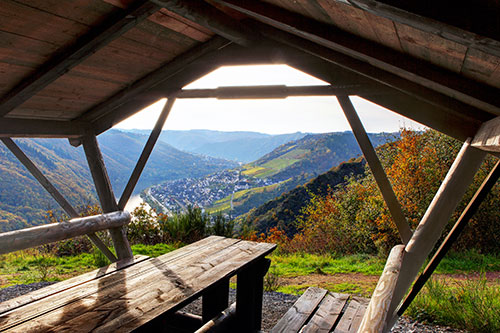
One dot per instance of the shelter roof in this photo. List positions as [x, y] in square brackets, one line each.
[73, 66]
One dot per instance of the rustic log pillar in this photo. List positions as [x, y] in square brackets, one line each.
[105, 193]
[451, 191]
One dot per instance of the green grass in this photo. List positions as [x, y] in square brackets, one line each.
[153, 250]
[345, 288]
[30, 266]
[469, 261]
[473, 305]
[304, 264]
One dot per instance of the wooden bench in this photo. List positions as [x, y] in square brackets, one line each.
[131, 295]
[319, 310]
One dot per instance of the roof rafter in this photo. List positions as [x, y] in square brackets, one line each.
[17, 127]
[144, 91]
[412, 69]
[279, 91]
[71, 56]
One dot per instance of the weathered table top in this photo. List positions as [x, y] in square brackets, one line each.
[124, 298]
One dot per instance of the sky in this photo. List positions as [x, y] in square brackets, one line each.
[272, 116]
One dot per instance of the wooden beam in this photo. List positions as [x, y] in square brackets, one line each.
[58, 197]
[412, 69]
[488, 136]
[435, 219]
[374, 320]
[105, 193]
[453, 235]
[73, 55]
[210, 17]
[30, 237]
[370, 155]
[146, 152]
[17, 127]
[323, 64]
[429, 25]
[373, 73]
[277, 92]
[140, 90]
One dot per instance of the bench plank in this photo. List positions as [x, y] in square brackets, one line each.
[353, 315]
[327, 314]
[131, 297]
[298, 314]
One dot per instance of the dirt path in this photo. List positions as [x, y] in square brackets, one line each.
[356, 283]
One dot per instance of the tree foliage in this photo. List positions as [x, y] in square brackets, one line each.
[353, 217]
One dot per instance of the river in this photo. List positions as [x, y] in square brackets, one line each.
[134, 202]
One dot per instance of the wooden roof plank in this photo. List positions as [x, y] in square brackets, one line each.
[411, 69]
[425, 24]
[154, 78]
[481, 66]
[434, 49]
[75, 54]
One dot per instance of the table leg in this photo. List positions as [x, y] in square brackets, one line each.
[215, 300]
[250, 287]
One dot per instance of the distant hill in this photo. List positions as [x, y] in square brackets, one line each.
[23, 201]
[283, 210]
[311, 155]
[237, 146]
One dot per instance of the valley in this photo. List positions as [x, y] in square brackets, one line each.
[237, 191]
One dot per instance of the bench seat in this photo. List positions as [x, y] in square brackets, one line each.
[125, 296]
[319, 310]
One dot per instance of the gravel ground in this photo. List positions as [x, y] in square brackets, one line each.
[274, 307]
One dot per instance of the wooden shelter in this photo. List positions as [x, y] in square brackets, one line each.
[74, 68]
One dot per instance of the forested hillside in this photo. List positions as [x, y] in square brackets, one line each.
[24, 202]
[312, 155]
[351, 217]
[282, 211]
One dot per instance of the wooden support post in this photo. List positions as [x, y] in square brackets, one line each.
[376, 312]
[435, 219]
[462, 222]
[249, 291]
[215, 300]
[21, 156]
[146, 152]
[376, 168]
[105, 193]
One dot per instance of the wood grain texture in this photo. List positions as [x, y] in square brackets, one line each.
[431, 48]
[67, 284]
[300, 312]
[482, 66]
[327, 315]
[375, 316]
[351, 319]
[488, 136]
[129, 298]
[44, 234]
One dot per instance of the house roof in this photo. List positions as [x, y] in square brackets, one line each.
[69, 67]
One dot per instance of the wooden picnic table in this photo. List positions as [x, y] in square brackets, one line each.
[133, 294]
